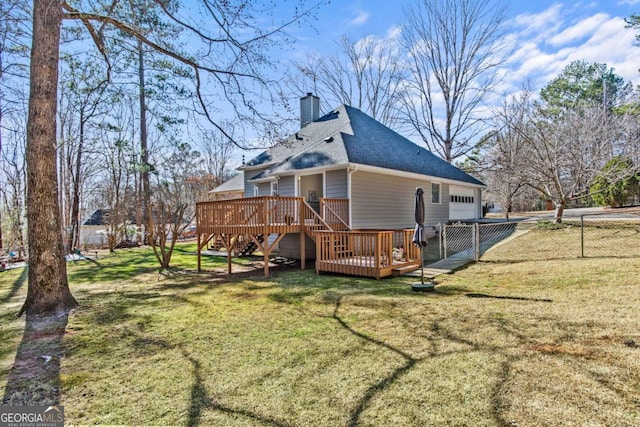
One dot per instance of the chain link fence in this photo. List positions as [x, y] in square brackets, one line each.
[612, 234]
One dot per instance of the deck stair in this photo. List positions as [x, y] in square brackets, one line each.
[217, 243]
[314, 222]
[251, 246]
[399, 271]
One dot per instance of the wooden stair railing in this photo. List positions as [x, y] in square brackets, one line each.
[312, 222]
[333, 211]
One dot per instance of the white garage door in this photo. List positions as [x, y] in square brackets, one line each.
[462, 202]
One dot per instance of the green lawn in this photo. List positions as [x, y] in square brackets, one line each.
[513, 343]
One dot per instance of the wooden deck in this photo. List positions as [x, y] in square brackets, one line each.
[365, 253]
[339, 249]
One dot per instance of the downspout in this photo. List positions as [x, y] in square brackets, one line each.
[324, 194]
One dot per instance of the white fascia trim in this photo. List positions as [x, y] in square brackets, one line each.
[254, 167]
[263, 180]
[385, 171]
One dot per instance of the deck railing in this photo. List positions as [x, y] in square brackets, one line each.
[365, 252]
[312, 220]
[250, 215]
[371, 253]
[335, 213]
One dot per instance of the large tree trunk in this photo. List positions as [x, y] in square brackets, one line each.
[48, 291]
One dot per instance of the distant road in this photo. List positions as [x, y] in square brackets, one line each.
[632, 212]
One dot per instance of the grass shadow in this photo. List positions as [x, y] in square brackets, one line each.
[199, 399]
[477, 295]
[385, 382]
[34, 378]
[16, 285]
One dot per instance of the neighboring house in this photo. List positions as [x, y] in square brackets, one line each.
[348, 162]
[231, 189]
[91, 228]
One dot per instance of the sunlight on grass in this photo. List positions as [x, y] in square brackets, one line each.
[513, 343]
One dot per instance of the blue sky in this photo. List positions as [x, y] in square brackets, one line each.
[547, 35]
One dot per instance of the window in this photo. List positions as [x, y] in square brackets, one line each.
[435, 192]
[274, 188]
[256, 192]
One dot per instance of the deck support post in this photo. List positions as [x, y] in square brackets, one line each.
[199, 254]
[201, 244]
[303, 250]
[302, 235]
[227, 244]
[266, 263]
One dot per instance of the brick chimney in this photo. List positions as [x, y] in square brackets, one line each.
[309, 109]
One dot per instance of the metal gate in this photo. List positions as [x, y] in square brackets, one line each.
[471, 241]
[459, 241]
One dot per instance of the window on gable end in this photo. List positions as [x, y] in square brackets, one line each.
[435, 192]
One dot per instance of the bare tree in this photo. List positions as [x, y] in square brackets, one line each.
[576, 129]
[563, 155]
[217, 152]
[455, 48]
[366, 74]
[116, 186]
[83, 89]
[234, 56]
[503, 162]
[14, 17]
[12, 183]
[173, 200]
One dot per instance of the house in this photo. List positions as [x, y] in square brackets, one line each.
[231, 189]
[343, 172]
[92, 228]
[95, 228]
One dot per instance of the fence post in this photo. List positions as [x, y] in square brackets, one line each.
[581, 236]
[444, 240]
[440, 243]
[476, 242]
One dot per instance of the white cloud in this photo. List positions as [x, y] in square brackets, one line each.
[580, 30]
[362, 16]
[538, 24]
[545, 44]
[394, 32]
[629, 2]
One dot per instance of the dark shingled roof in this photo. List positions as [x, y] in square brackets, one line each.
[98, 217]
[347, 135]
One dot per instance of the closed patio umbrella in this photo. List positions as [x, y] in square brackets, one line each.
[418, 235]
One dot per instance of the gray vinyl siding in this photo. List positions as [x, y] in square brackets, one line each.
[336, 184]
[387, 202]
[440, 211]
[248, 186]
[286, 186]
[264, 189]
